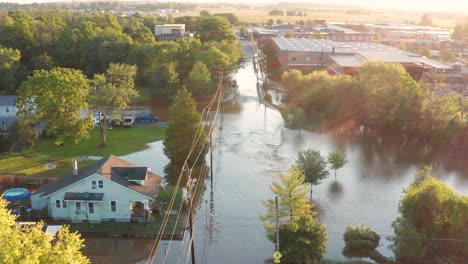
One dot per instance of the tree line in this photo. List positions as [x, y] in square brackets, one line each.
[382, 95]
[89, 42]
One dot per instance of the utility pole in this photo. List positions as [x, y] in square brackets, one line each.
[190, 197]
[277, 224]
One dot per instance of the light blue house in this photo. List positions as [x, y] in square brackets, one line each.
[8, 112]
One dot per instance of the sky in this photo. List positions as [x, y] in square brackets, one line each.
[415, 5]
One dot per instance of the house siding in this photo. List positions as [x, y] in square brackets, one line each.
[102, 209]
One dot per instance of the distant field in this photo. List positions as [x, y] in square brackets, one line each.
[260, 15]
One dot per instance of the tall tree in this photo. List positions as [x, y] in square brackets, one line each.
[111, 92]
[392, 95]
[185, 135]
[57, 97]
[199, 81]
[447, 56]
[431, 209]
[29, 244]
[214, 28]
[337, 160]
[302, 237]
[302, 241]
[9, 63]
[292, 197]
[313, 165]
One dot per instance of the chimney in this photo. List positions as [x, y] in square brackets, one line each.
[75, 167]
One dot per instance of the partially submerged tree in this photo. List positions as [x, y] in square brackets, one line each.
[185, 136]
[111, 92]
[431, 209]
[337, 160]
[59, 98]
[313, 165]
[302, 237]
[29, 244]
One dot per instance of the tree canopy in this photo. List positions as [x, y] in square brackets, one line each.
[302, 237]
[336, 159]
[184, 132]
[430, 211]
[59, 98]
[112, 91]
[313, 165]
[29, 244]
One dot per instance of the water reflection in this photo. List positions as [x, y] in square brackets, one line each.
[253, 146]
[335, 191]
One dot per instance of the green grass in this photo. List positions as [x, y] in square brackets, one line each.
[166, 196]
[119, 142]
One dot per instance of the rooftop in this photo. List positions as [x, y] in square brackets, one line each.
[7, 99]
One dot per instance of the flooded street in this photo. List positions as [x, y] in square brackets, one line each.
[250, 148]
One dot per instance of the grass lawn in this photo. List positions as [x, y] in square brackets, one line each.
[122, 141]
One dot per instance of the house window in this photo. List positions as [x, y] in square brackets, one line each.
[307, 59]
[93, 184]
[57, 203]
[91, 208]
[113, 206]
[101, 184]
[293, 58]
[7, 109]
[64, 204]
[78, 207]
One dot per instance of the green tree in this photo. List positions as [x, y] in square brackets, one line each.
[423, 51]
[111, 92]
[9, 63]
[199, 81]
[29, 244]
[59, 96]
[337, 159]
[430, 209]
[185, 136]
[362, 242]
[313, 165]
[392, 96]
[440, 116]
[214, 28]
[302, 237]
[292, 198]
[302, 241]
[447, 56]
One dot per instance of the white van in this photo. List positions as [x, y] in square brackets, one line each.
[128, 121]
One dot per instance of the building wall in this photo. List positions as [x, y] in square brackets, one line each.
[172, 30]
[102, 209]
[8, 111]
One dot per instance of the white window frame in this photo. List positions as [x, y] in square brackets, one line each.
[93, 185]
[64, 204]
[57, 204]
[100, 184]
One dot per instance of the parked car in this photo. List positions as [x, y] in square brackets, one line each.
[128, 121]
[116, 122]
[98, 117]
[146, 117]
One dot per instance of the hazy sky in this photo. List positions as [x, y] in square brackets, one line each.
[423, 5]
[416, 5]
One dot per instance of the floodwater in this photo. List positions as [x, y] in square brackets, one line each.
[250, 148]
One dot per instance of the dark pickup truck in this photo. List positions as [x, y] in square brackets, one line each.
[146, 117]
